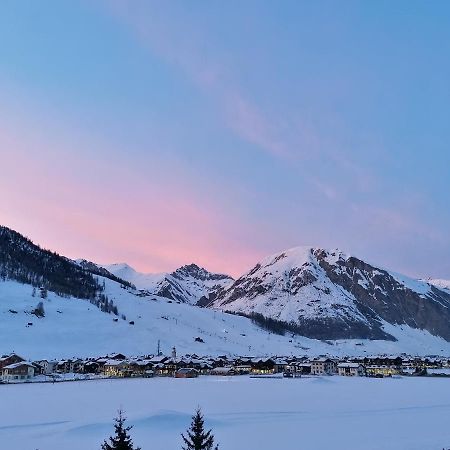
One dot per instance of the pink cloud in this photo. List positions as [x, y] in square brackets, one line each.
[91, 207]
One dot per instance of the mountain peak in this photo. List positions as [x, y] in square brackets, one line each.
[197, 272]
[329, 294]
[120, 266]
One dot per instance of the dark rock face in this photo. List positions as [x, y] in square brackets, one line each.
[328, 295]
[389, 299]
[194, 271]
[192, 284]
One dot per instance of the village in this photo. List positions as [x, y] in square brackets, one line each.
[16, 369]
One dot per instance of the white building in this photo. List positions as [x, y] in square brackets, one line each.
[349, 369]
[323, 366]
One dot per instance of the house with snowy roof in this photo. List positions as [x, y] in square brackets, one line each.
[18, 371]
[6, 360]
[351, 369]
[323, 366]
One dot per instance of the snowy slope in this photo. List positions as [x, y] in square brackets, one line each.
[284, 286]
[329, 294]
[322, 295]
[188, 284]
[145, 281]
[73, 327]
[442, 284]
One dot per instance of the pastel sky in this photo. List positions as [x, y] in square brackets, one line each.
[168, 132]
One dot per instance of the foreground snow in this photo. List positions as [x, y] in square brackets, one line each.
[263, 414]
[73, 327]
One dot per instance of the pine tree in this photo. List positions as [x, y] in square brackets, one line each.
[196, 438]
[39, 310]
[121, 439]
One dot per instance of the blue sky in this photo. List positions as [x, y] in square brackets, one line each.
[162, 133]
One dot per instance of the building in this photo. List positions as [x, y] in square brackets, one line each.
[116, 368]
[186, 372]
[323, 366]
[299, 368]
[382, 371]
[349, 369]
[262, 366]
[13, 358]
[223, 371]
[18, 371]
[280, 366]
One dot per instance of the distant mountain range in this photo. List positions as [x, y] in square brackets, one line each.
[188, 284]
[311, 292]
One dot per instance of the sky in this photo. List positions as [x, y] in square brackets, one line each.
[168, 132]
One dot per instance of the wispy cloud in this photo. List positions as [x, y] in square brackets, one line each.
[291, 139]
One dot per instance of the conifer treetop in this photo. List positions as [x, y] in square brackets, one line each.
[196, 438]
[121, 439]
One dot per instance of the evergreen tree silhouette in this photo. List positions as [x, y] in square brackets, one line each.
[197, 438]
[121, 439]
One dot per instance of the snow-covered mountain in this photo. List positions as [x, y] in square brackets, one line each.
[74, 327]
[188, 284]
[335, 304]
[330, 295]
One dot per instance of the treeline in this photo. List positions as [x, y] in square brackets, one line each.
[273, 325]
[27, 263]
[105, 304]
[101, 271]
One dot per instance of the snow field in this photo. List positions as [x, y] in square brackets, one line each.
[245, 413]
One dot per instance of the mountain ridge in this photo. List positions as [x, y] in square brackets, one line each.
[187, 284]
[329, 294]
[316, 293]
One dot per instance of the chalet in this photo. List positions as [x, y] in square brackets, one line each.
[160, 359]
[280, 365]
[383, 361]
[116, 368]
[45, 367]
[64, 366]
[77, 366]
[91, 367]
[139, 367]
[169, 367]
[7, 360]
[18, 371]
[349, 369]
[302, 368]
[38, 368]
[223, 371]
[243, 369]
[185, 372]
[261, 366]
[323, 366]
[382, 371]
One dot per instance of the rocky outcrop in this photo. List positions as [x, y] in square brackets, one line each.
[329, 295]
